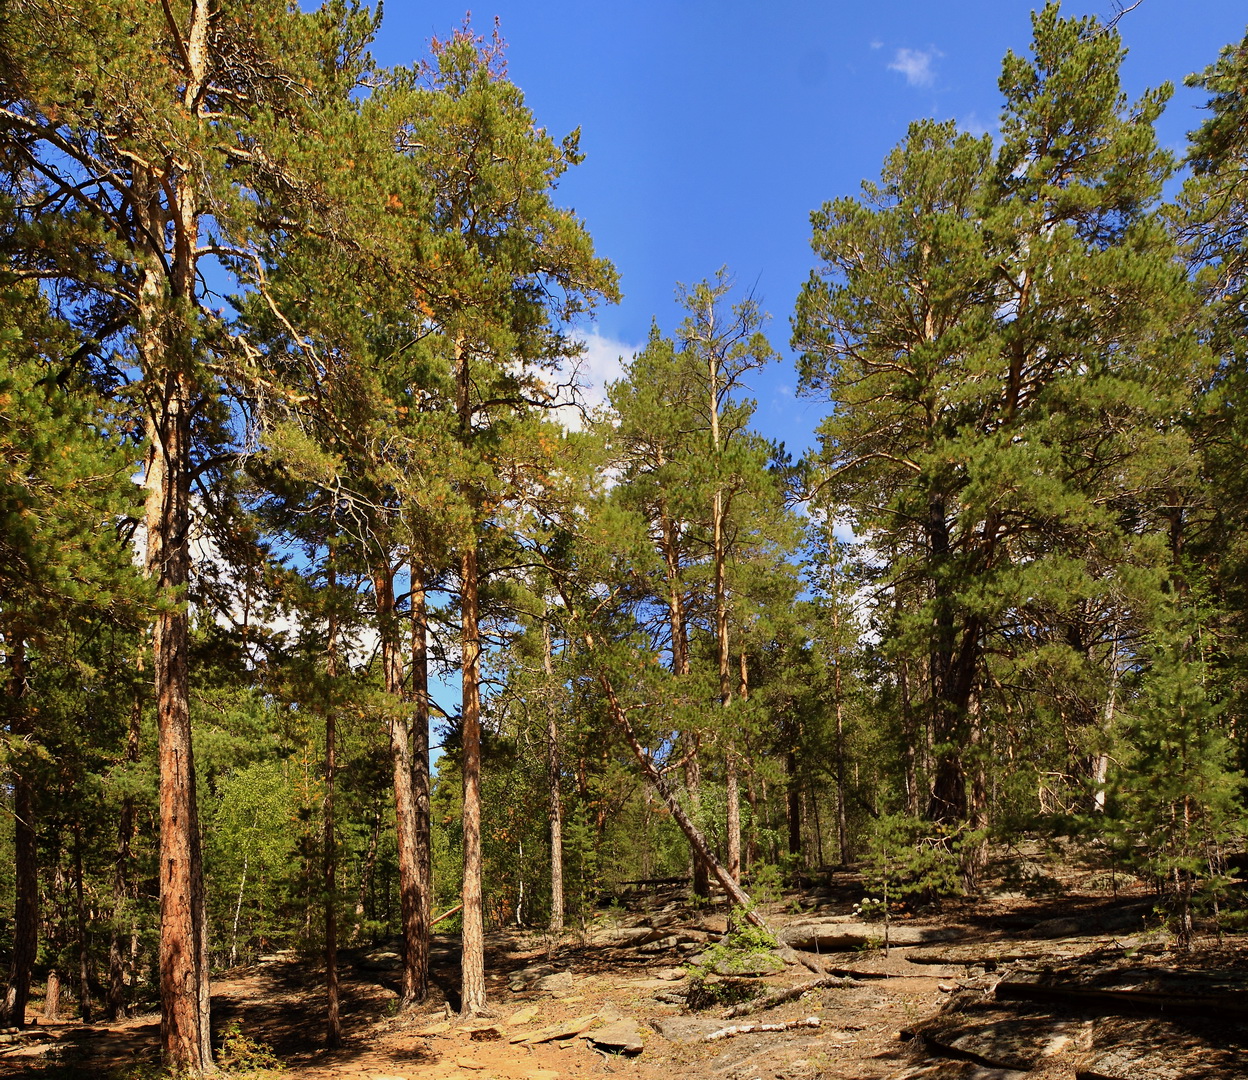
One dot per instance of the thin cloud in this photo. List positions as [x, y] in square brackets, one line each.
[601, 362]
[916, 65]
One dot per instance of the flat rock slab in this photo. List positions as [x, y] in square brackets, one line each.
[958, 1070]
[1131, 1048]
[522, 1016]
[1004, 1040]
[828, 935]
[685, 1028]
[565, 1029]
[528, 978]
[628, 936]
[992, 954]
[618, 1037]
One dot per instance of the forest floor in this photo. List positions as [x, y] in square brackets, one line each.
[1005, 987]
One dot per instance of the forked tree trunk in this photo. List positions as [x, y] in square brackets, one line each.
[553, 788]
[415, 981]
[25, 855]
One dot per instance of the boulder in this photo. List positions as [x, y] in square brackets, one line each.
[560, 980]
[618, 1037]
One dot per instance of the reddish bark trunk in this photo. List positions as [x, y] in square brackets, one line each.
[415, 980]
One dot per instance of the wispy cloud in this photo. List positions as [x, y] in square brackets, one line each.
[601, 362]
[972, 124]
[916, 65]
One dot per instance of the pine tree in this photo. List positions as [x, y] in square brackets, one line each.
[974, 327]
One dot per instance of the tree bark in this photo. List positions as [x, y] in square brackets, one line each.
[842, 816]
[553, 788]
[418, 691]
[473, 940]
[25, 853]
[166, 288]
[415, 981]
[732, 781]
[123, 889]
[793, 803]
[692, 833]
[329, 836]
[52, 998]
[472, 959]
[86, 1008]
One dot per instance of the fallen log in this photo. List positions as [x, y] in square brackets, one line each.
[779, 997]
[751, 1029]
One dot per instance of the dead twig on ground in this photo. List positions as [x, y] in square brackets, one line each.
[779, 997]
[751, 1029]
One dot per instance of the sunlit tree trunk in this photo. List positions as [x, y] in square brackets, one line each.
[553, 788]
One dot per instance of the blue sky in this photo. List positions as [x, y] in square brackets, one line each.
[711, 130]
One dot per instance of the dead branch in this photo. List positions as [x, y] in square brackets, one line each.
[779, 997]
[750, 1029]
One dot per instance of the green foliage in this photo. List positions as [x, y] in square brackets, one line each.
[908, 856]
[243, 1055]
[1176, 801]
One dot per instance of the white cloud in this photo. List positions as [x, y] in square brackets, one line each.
[602, 361]
[877, 44]
[916, 65]
[973, 125]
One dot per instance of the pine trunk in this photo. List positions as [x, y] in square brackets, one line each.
[25, 854]
[553, 789]
[473, 959]
[793, 794]
[415, 981]
[329, 835]
[52, 998]
[686, 824]
[418, 692]
[123, 890]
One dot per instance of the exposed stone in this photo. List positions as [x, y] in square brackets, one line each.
[560, 980]
[685, 1028]
[1004, 1040]
[837, 935]
[522, 1016]
[564, 1029]
[619, 1037]
[528, 978]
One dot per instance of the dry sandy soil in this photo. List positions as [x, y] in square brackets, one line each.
[1005, 988]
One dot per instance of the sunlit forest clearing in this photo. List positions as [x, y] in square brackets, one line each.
[925, 750]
